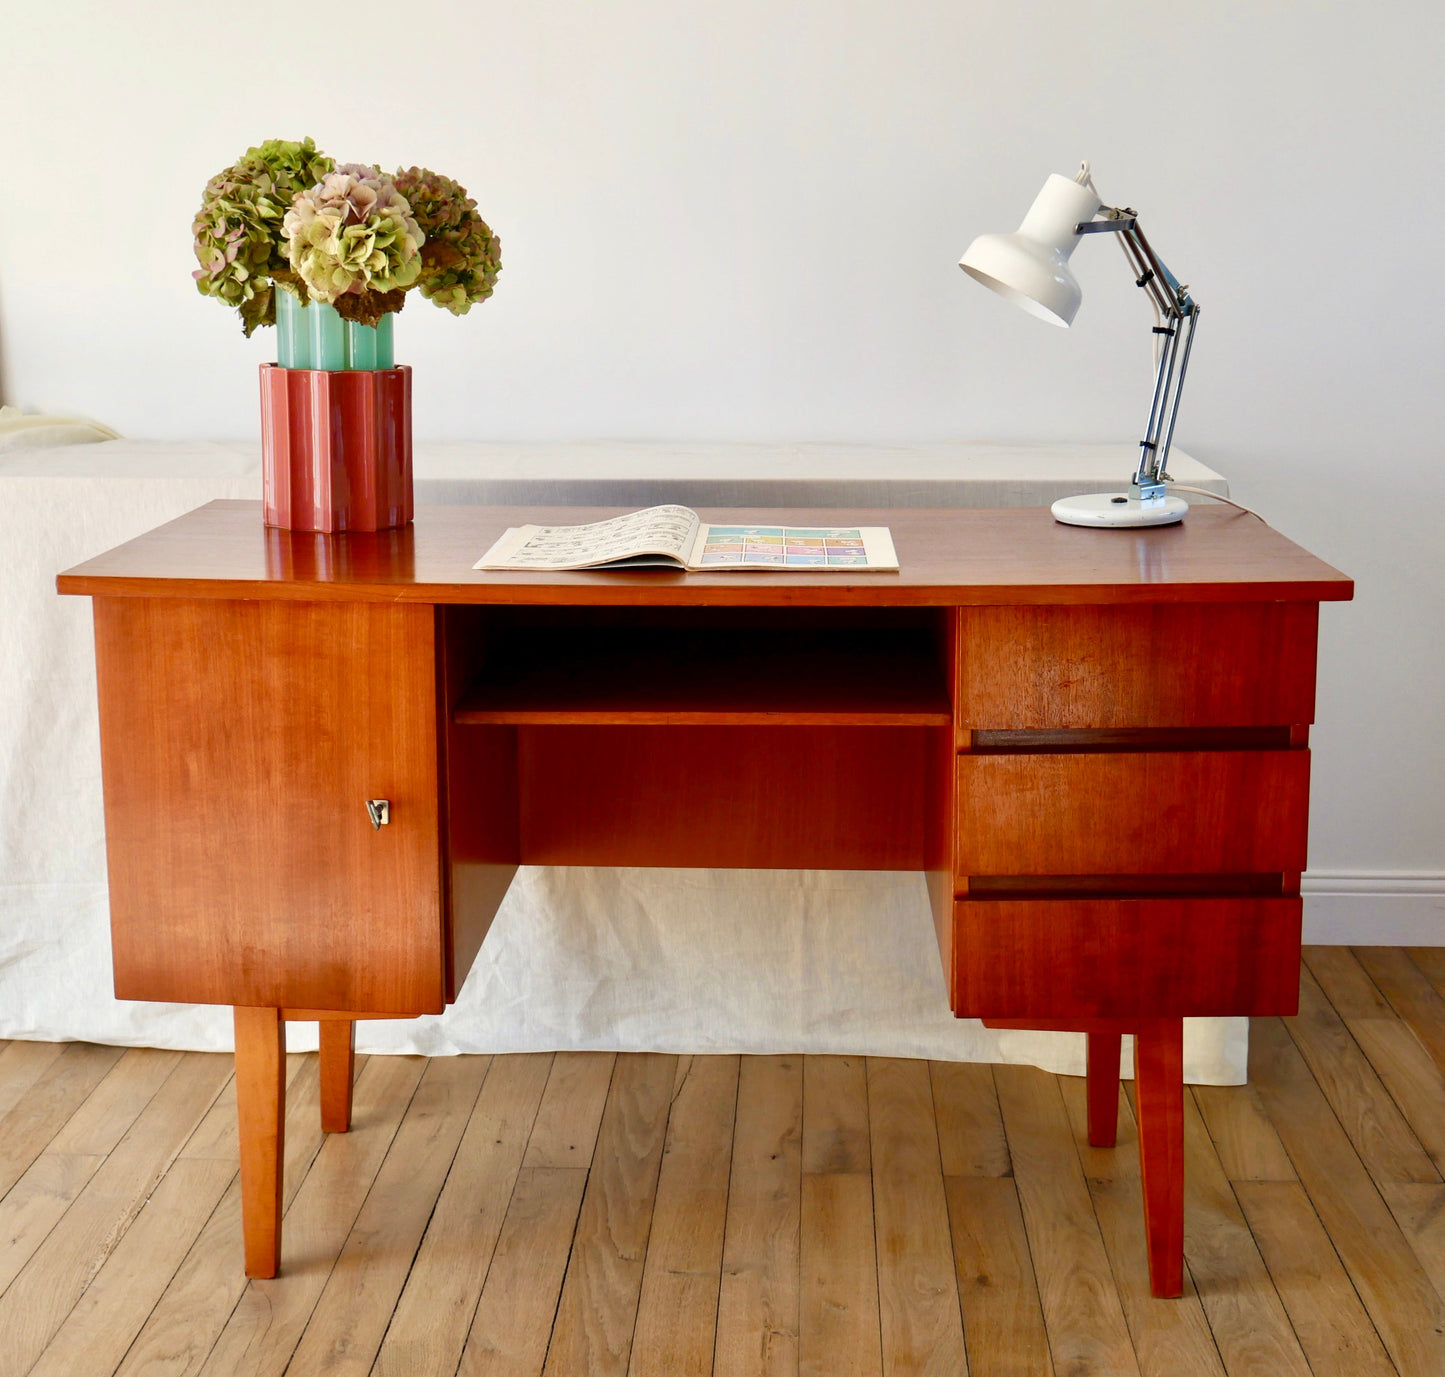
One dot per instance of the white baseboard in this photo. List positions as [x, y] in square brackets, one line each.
[1380, 908]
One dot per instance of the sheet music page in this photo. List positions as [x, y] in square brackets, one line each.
[665, 533]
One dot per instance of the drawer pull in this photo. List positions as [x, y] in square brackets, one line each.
[379, 811]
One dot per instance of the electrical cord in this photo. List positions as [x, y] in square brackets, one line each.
[1229, 501]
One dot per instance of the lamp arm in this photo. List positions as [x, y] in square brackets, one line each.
[1178, 313]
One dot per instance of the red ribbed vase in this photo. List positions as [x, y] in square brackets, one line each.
[336, 448]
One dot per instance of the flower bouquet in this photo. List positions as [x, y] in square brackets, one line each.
[327, 253]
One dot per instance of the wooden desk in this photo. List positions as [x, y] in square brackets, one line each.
[1094, 743]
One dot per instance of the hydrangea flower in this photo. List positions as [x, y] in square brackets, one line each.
[238, 229]
[461, 257]
[352, 239]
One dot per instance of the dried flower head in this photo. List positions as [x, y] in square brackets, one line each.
[238, 229]
[461, 257]
[353, 241]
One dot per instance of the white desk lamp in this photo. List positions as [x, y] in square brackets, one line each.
[1031, 269]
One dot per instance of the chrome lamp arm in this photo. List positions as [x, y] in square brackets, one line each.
[1177, 313]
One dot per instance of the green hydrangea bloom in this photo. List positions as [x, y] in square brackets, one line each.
[461, 257]
[238, 229]
[352, 240]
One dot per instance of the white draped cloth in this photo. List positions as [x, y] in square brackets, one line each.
[578, 957]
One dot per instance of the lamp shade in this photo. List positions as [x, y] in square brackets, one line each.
[1031, 266]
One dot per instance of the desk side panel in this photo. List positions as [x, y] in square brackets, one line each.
[240, 742]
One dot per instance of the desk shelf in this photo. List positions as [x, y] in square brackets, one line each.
[636, 676]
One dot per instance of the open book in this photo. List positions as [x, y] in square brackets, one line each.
[673, 537]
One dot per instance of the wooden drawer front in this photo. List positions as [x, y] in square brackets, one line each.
[1150, 813]
[1125, 958]
[1185, 665]
[240, 742]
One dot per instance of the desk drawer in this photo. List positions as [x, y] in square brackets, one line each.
[1137, 813]
[1124, 958]
[1180, 665]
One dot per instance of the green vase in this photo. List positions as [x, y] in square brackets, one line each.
[370, 346]
[328, 337]
[293, 331]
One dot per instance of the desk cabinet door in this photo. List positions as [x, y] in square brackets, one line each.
[240, 743]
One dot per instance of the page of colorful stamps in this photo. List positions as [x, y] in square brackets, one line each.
[788, 547]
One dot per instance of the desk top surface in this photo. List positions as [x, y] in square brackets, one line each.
[947, 557]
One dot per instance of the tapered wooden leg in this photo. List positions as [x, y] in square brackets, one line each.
[1159, 1094]
[261, 1114]
[338, 1065]
[1103, 1088]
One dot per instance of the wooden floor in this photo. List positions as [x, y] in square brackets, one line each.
[590, 1214]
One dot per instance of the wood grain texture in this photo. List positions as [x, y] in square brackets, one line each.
[239, 744]
[838, 1321]
[1057, 959]
[1343, 979]
[918, 1303]
[598, 1308]
[677, 1311]
[1170, 1336]
[1081, 1306]
[948, 557]
[842, 798]
[429, 1327]
[971, 1140]
[1159, 1110]
[1102, 1084]
[1333, 1328]
[1003, 1325]
[1376, 1128]
[1154, 813]
[1405, 1309]
[1244, 1138]
[261, 1116]
[1410, 994]
[1409, 1073]
[1023, 668]
[757, 1318]
[835, 1115]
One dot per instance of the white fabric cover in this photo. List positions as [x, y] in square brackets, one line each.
[670, 960]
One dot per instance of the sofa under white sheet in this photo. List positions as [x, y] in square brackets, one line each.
[579, 957]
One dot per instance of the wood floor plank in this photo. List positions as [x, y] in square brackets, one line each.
[514, 1317]
[1346, 984]
[113, 1106]
[598, 1308]
[835, 1115]
[1169, 1336]
[21, 1065]
[346, 1327]
[1332, 1325]
[1248, 1147]
[1404, 1307]
[1411, 995]
[566, 1129]
[185, 1323]
[757, 1324]
[429, 1329]
[47, 1102]
[1246, 1316]
[1430, 961]
[838, 1324]
[922, 1325]
[1082, 1311]
[677, 1309]
[1420, 1212]
[971, 1139]
[61, 1268]
[96, 1334]
[1003, 1322]
[1361, 1103]
[1411, 1076]
[264, 1328]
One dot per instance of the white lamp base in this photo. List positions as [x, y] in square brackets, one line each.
[1117, 509]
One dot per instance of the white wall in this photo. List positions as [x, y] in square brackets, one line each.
[739, 219]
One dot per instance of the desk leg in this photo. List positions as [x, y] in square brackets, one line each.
[338, 1065]
[1103, 1088]
[1159, 1092]
[261, 1114]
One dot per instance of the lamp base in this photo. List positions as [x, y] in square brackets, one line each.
[1118, 509]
